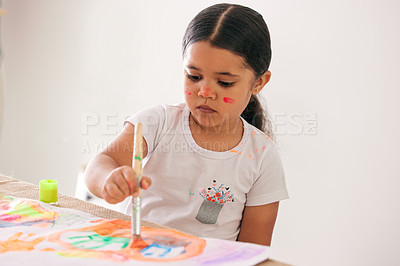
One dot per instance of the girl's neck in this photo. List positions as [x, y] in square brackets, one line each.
[220, 138]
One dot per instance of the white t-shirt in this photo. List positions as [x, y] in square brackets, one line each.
[203, 192]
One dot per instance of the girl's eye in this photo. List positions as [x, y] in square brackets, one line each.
[226, 84]
[193, 78]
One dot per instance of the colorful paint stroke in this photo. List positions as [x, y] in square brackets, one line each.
[110, 238]
[24, 213]
[43, 232]
[17, 242]
[229, 100]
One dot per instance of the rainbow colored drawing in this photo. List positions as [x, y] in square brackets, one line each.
[24, 213]
[109, 239]
[33, 232]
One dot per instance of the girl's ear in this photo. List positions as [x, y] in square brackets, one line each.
[261, 82]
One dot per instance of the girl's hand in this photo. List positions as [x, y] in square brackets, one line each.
[121, 183]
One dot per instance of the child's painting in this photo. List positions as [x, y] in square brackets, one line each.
[38, 233]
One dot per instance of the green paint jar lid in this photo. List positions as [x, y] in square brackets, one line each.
[48, 191]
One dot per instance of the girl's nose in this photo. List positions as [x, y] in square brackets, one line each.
[206, 92]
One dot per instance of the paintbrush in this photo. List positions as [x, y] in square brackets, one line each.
[136, 240]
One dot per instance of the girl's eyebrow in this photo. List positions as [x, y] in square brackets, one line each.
[218, 73]
[227, 74]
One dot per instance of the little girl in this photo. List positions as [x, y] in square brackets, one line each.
[214, 172]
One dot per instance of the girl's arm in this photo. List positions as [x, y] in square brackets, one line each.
[258, 223]
[109, 175]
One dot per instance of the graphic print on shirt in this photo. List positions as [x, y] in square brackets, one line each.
[214, 199]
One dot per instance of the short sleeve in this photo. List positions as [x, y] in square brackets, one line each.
[153, 124]
[270, 186]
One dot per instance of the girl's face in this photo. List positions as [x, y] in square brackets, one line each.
[217, 85]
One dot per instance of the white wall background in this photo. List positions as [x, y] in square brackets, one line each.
[72, 63]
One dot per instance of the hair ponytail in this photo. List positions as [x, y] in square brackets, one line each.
[255, 115]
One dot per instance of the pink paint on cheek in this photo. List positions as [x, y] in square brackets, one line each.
[187, 92]
[228, 100]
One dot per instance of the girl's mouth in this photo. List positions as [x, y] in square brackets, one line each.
[206, 109]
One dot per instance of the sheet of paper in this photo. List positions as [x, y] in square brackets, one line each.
[34, 232]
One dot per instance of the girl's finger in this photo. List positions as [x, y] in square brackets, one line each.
[130, 179]
[145, 183]
[123, 185]
[111, 193]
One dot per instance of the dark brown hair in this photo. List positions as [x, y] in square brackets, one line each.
[244, 32]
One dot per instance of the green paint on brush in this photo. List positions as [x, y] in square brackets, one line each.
[138, 158]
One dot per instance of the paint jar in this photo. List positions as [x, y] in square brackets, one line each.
[208, 212]
[48, 191]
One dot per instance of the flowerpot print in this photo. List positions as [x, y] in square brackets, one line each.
[214, 199]
[208, 212]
